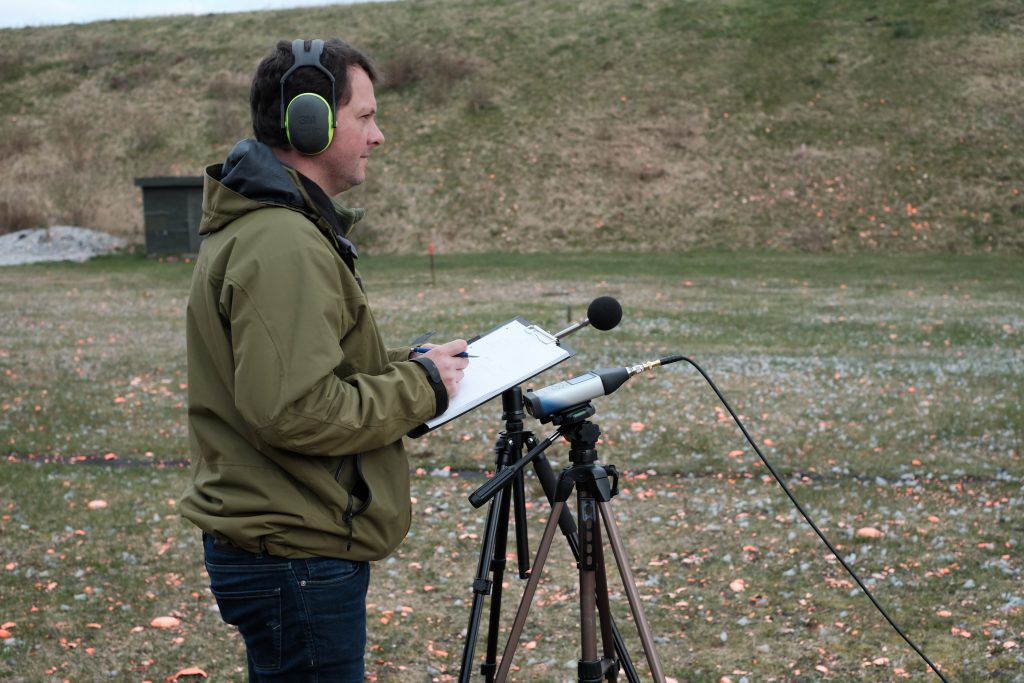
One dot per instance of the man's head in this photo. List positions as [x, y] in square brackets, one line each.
[342, 164]
[265, 97]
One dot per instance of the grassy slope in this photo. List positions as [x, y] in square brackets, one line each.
[536, 125]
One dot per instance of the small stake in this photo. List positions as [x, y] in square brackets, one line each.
[430, 251]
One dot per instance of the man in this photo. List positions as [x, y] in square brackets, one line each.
[296, 409]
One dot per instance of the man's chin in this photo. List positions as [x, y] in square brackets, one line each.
[350, 183]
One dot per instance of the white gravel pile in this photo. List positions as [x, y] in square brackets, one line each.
[59, 243]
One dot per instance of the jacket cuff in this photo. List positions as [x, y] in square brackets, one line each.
[434, 377]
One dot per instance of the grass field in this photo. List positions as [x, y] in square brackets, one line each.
[887, 390]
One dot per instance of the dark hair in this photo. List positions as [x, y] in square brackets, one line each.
[265, 95]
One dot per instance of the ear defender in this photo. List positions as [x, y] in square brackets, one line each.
[307, 123]
[309, 120]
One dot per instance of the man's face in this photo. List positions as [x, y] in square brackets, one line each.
[355, 137]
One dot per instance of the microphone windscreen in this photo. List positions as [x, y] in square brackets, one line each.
[604, 313]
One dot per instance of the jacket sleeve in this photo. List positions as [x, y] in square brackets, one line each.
[399, 354]
[287, 311]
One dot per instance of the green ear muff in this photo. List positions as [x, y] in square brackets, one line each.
[309, 120]
[308, 124]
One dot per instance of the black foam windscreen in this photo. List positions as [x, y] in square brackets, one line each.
[604, 313]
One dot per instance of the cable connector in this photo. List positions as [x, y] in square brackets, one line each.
[637, 369]
[651, 364]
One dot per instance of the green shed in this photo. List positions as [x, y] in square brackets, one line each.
[172, 207]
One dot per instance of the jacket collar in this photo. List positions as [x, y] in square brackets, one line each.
[340, 219]
[254, 172]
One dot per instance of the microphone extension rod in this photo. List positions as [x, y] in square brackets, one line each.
[603, 313]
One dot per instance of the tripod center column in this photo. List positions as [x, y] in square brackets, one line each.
[589, 564]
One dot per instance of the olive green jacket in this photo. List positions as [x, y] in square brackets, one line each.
[296, 410]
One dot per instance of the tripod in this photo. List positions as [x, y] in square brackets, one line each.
[584, 475]
[593, 497]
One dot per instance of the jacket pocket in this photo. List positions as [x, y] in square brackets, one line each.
[360, 490]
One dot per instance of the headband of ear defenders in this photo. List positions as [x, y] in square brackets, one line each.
[308, 120]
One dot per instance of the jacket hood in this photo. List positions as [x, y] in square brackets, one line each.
[252, 178]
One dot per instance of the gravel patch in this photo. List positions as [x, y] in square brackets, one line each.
[59, 243]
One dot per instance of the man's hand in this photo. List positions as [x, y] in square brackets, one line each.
[449, 364]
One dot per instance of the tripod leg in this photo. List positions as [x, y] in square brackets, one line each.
[548, 482]
[498, 576]
[528, 593]
[629, 583]
[495, 539]
[604, 612]
[522, 543]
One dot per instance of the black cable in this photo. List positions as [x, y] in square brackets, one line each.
[847, 567]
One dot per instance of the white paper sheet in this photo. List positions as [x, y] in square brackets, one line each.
[508, 355]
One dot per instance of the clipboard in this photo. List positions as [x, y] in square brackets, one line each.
[508, 355]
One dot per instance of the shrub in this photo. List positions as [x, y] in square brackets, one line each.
[413, 65]
[19, 216]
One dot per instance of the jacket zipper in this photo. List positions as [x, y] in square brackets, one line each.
[348, 517]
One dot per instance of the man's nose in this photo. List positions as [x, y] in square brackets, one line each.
[376, 136]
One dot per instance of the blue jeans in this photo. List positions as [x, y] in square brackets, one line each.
[302, 620]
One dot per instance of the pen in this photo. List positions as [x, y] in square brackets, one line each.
[422, 338]
[423, 349]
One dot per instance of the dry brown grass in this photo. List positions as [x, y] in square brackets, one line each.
[543, 125]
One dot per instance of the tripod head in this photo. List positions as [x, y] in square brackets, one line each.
[572, 415]
[567, 420]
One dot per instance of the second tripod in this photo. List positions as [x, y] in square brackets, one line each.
[594, 492]
[505, 489]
